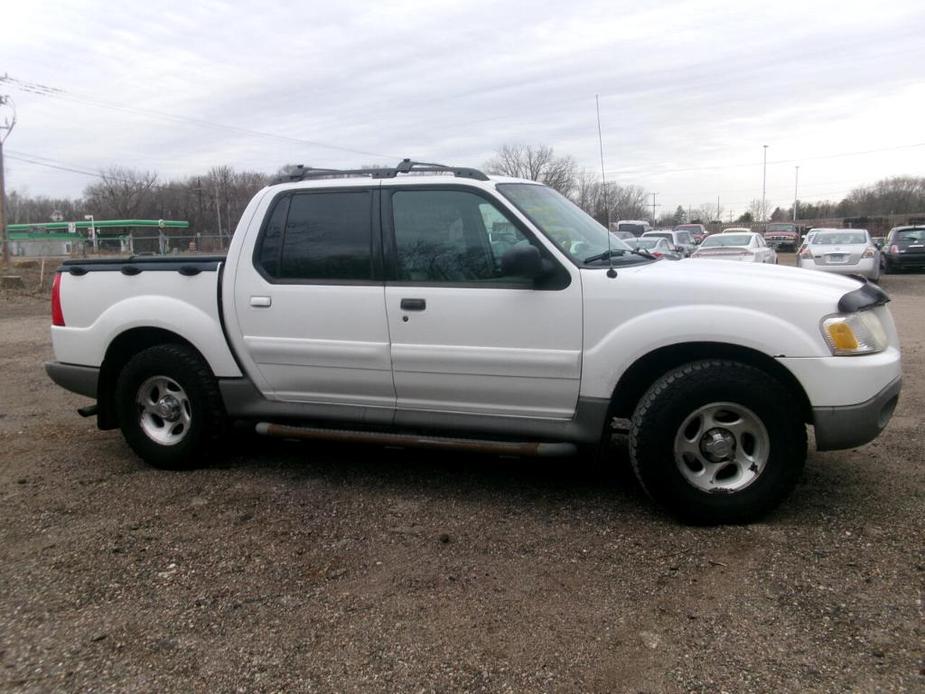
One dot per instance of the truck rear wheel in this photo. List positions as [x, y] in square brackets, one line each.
[169, 407]
[717, 441]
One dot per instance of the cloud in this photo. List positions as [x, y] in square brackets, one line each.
[684, 85]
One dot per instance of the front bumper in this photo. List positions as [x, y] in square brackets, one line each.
[848, 426]
[905, 260]
[781, 243]
[78, 379]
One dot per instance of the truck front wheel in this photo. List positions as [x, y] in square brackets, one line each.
[717, 441]
[169, 407]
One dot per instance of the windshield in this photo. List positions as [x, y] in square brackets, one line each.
[575, 232]
[658, 235]
[781, 227]
[839, 238]
[647, 242]
[726, 240]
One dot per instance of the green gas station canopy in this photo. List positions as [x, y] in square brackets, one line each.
[99, 224]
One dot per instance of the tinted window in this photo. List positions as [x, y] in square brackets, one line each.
[450, 236]
[909, 237]
[636, 229]
[684, 237]
[272, 241]
[327, 237]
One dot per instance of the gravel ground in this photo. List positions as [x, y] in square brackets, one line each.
[306, 568]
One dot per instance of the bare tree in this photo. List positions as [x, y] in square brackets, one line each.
[759, 211]
[536, 163]
[708, 212]
[121, 193]
[622, 202]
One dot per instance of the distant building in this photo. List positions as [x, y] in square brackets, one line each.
[39, 244]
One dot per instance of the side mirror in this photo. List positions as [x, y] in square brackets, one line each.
[522, 261]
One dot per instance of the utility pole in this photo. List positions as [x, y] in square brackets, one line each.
[653, 206]
[218, 213]
[764, 186]
[796, 187]
[6, 127]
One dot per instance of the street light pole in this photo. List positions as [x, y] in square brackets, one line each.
[764, 186]
[796, 187]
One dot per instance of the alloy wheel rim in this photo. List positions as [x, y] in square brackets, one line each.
[164, 410]
[722, 447]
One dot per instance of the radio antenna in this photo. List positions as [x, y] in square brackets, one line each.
[600, 140]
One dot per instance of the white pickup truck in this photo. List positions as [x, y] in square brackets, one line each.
[436, 306]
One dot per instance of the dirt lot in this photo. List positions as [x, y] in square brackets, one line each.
[305, 568]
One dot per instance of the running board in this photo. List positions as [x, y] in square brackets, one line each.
[375, 438]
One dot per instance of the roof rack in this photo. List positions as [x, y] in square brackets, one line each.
[405, 166]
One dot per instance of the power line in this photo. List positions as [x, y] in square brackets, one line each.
[57, 93]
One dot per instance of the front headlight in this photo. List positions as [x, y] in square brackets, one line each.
[854, 333]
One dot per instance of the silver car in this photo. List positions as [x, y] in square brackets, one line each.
[845, 251]
[746, 247]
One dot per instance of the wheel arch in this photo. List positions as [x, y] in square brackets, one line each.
[120, 350]
[643, 372]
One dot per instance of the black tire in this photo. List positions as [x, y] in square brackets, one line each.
[889, 268]
[678, 394]
[200, 440]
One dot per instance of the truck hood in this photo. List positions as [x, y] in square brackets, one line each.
[773, 289]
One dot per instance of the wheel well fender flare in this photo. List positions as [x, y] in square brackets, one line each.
[120, 350]
[642, 373]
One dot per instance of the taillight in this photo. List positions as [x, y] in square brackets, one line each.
[57, 316]
[894, 249]
[806, 253]
[657, 254]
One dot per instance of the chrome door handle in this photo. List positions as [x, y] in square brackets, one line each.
[261, 301]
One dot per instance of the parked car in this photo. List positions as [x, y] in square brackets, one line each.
[808, 237]
[680, 241]
[845, 251]
[636, 227]
[698, 232]
[782, 235]
[369, 305]
[657, 246]
[904, 248]
[748, 247]
[624, 235]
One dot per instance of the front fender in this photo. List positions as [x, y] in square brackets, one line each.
[610, 356]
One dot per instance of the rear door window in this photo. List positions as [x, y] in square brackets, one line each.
[327, 236]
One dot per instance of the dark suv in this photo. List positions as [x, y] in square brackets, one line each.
[904, 248]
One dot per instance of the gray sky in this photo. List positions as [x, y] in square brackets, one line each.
[690, 90]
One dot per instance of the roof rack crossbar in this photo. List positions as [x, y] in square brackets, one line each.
[405, 166]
